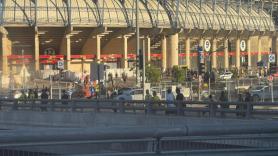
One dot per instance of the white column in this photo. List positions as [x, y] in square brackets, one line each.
[214, 53]
[148, 49]
[37, 52]
[249, 53]
[98, 40]
[259, 48]
[238, 53]
[226, 54]
[124, 60]
[68, 51]
[164, 52]
[274, 47]
[201, 42]
[174, 51]
[6, 51]
[187, 53]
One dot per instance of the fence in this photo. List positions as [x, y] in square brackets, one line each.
[186, 108]
[149, 146]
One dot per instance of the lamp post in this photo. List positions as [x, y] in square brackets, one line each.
[137, 44]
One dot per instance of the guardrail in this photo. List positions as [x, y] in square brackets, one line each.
[211, 109]
[205, 145]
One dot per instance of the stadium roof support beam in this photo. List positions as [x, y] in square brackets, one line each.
[121, 32]
[24, 13]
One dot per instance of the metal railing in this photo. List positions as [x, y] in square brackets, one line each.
[149, 146]
[185, 108]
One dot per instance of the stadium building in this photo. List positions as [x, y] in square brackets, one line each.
[38, 33]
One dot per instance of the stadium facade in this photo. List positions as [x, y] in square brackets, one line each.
[38, 33]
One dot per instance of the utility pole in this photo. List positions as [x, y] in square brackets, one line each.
[137, 44]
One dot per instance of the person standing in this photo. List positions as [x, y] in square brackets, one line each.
[148, 96]
[170, 99]
[223, 98]
[44, 97]
[180, 99]
[65, 97]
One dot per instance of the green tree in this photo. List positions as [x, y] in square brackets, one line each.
[153, 74]
[178, 74]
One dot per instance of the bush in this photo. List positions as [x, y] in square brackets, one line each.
[153, 74]
[178, 74]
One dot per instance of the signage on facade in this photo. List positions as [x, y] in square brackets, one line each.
[271, 58]
[207, 45]
[242, 45]
[60, 64]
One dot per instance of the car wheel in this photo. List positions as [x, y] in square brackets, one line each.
[256, 98]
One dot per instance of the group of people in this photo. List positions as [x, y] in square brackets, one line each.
[170, 98]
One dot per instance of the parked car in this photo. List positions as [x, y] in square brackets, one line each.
[262, 93]
[226, 75]
[137, 94]
[130, 94]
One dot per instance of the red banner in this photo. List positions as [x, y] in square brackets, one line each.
[14, 57]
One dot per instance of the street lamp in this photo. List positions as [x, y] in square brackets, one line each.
[137, 44]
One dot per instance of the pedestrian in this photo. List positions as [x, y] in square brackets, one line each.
[180, 99]
[23, 96]
[31, 94]
[240, 105]
[179, 96]
[248, 100]
[65, 97]
[170, 99]
[155, 97]
[223, 99]
[36, 94]
[212, 106]
[44, 97]
[148, 96]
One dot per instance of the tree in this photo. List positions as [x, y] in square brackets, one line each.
[178, 74]
[153, 74]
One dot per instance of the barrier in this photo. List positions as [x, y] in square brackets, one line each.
[210, 109]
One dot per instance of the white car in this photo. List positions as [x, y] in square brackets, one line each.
[226, 75]
[131, 94]
[137, 94]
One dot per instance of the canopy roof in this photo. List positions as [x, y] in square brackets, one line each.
[188, 14]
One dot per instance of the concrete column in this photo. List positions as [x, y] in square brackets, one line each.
[6, 51]
[174, 50]
[148, 49]
[164, 52]
[187, 53]
[214, 53]
[124, 60]
[201, 43]
[98, 43]
[68, 52]
[249, 53]
[238, 53]
[226, 54]
[259, 48]
[37, 52]
[65, 49]
[274, 47]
